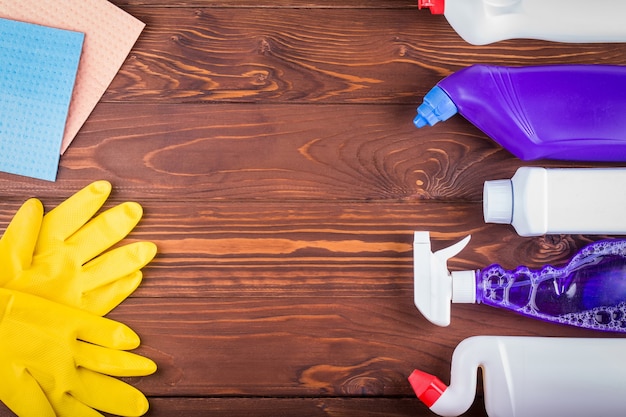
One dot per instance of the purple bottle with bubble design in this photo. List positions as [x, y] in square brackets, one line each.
[588, 292]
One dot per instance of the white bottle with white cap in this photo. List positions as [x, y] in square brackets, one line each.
[539, 201]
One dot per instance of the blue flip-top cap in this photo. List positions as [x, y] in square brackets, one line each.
[437, 106]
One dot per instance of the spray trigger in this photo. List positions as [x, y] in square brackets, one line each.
[432, 282]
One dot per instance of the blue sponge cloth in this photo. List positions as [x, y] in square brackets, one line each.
[38, 68]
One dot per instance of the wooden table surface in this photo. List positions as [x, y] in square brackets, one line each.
[272, 148]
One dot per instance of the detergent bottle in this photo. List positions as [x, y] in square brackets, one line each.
[480, 22]
[563, 112]
[531, 377]
[588, 292]
[538, 201]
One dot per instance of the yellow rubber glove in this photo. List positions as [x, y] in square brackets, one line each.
[61, 256]
[60, 361]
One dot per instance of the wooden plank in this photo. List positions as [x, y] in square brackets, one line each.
[323, 249]
[263, 54]
[240, 152]
[305, 407]
[312, 55]
[272, 407]
[309, 4]
[304, 346]
[291, 249]
[302, 407]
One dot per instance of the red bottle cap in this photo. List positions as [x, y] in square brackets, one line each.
[427, 387]
[435, 6]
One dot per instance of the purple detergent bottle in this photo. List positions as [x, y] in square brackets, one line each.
[562, 112]
[588, 292]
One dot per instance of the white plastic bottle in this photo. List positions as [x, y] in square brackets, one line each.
[538, 201]
[480, 22]
[531, 377]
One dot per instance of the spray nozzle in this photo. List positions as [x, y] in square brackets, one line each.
[427, 387]
[437, 107]
[434, 287]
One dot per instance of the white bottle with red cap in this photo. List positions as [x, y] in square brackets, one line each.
[481, 22]
[531, 377]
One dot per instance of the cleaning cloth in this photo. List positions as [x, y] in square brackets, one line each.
[38, 68]
[110, 34]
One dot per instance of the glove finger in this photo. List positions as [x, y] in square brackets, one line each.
[69, 216]
[84, 326]
[101, 331]
[23, 395]
[68, 406]
[104, 231]
[110, 395]
[105, 298]
[111, 277]
[18, 242]
[117, 263]
[113, 362]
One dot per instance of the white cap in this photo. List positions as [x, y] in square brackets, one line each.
[464, 287]
[498, 201]
[433, 286]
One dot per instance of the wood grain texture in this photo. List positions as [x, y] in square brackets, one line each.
[271, 146]
[272, 407]
[280, 4]
[275, 152]
[306, 55]
[296, 250]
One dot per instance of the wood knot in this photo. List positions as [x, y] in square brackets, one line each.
[363, 386]
[264, 46]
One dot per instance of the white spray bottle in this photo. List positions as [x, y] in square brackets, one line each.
[531, 377]
[589, 291]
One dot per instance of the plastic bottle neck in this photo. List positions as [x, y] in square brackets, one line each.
[464, 287]
[498, 201]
